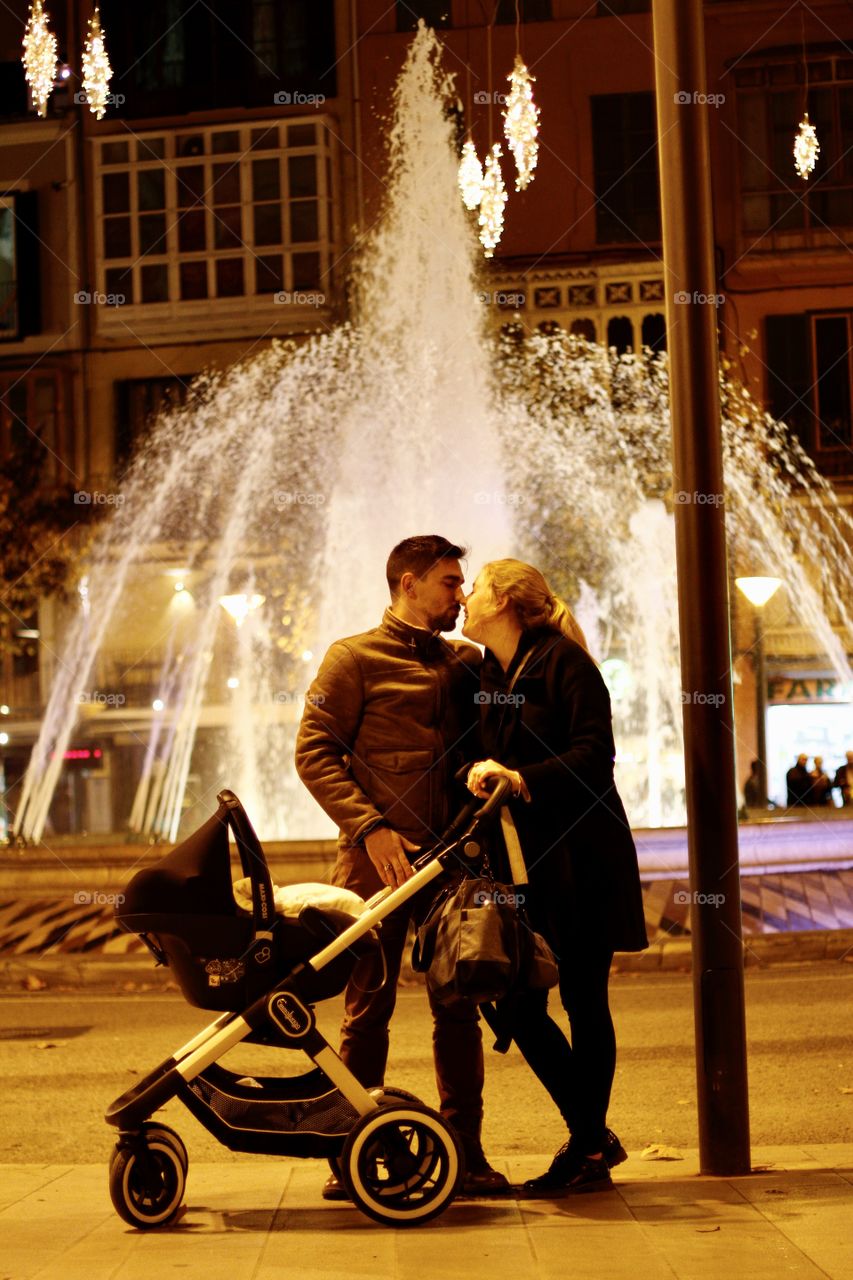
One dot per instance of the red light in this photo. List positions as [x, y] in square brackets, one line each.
[77, 753]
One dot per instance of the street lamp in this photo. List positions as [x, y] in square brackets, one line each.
[758, 591]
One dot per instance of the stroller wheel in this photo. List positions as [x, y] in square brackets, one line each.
[153, 1131]
[147, 1182]
[402, 1164]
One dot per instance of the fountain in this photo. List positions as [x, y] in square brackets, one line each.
[278, 489]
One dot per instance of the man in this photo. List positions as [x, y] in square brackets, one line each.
[821, 792]
[798, 782]
[844, 780]
[388, 722]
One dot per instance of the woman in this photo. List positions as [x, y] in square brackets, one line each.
[546, 726]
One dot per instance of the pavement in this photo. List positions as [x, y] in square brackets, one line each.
[261, 1219]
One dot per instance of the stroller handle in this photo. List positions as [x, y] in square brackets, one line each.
[466, 822]
[252, 859]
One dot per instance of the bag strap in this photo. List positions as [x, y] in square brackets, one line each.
[515, 853]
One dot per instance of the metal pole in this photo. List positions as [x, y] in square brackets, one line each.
[703, 602]
[760, 706]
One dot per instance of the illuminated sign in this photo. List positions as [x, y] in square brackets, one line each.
[800, 690]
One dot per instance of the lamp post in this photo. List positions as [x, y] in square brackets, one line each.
[758, 591]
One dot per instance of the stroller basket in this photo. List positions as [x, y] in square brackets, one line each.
[222, 956]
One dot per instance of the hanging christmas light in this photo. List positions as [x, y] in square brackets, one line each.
[97, 71]
[39, 56]
[806, 148]
[470, 176]
[492, 202]
[521, 123]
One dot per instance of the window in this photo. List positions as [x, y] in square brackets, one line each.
[32, 408]
[20, 286]
[435, 13]
[251, 51]
[624, 145]
[139, 401]
[620, 334]
[809, 383]
[778, 207]
[654, 331]
[528, 11]
[217, 213]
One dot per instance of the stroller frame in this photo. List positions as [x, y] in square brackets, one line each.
[400, 1161]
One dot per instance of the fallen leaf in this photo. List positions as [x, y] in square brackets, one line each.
[33, 982]
[845, 1089]
[46, 1044]
[707, 1229]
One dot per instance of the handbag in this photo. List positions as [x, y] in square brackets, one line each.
[476, 943]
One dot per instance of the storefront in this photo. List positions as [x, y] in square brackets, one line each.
[807, 714]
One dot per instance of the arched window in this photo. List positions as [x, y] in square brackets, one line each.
[620, 334]
[584, 328]
[654, 332]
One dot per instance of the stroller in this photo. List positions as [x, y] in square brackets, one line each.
[263, 972]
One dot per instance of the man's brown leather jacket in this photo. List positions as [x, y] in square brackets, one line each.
[388, 721]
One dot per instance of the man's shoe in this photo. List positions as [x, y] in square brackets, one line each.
[479, 1178]
[334, 1189]
[614, 1152]
[484, 1181]
[570, 1173]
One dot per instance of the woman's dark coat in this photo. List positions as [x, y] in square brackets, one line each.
[555, 728]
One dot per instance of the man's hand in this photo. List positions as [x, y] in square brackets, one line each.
[387, 851]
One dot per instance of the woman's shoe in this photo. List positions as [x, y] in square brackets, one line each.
[614, 1152]
[334, 1189]
[570, 1172]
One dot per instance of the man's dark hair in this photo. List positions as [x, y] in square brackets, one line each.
[418, 555]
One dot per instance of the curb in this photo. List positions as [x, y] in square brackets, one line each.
[137, 973]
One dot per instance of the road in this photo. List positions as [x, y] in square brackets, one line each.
[64, 1057]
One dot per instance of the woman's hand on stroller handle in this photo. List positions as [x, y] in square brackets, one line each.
[484, 776]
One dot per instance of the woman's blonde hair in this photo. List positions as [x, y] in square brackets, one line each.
[532, 599]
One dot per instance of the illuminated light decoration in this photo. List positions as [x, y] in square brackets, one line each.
[97, 71]
[492, 202]
[521, 123]
[40, 62]
[806, 148]
[470, 176]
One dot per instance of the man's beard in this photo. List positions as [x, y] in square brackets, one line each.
[444, 621]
